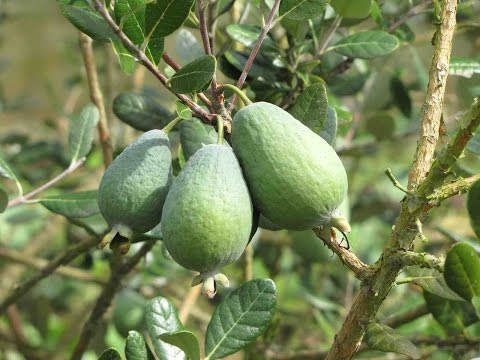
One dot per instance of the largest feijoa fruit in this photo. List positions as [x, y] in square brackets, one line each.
[207, 217]
[295, 177]
[134, 187]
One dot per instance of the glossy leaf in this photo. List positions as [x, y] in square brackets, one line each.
[464, 67]
[222, 6]
[432, 280]
[136, 348]
[329, 129]
[473, 207]
[248, 35]
[126, 60]
[5, 170]
[183, 110]
[357, 9]
[140, 111]
[311, 107]
[462, 270]
[366, 44]
[185, 340]
[194, 135]
[301, 9]
[242, 317]
[194, 76]
[110, 354]
[73, 205]
[3, 200]
[88, 22]
[82, 130]
[187, 46]
[162, 317]
[163, 17]
[259, 68]
[383, 338]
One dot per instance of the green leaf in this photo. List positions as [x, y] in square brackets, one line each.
[194, 76]
[357, 9]
[5, 170]
[476, 304]
[81, 132]
[110, 354]
[311, 107]
[163, 17]
[383, 338]
[73, 205]
[473, 206]
[366, 45]
[183, 110]
[401, 97]
[136, 348]
[194, 135]
[248, 35]
[454, 316]
[242, 317]
[88, 22]
[329, 129]
[162, 317]
[125, 58]
[140, 111]
[464, 67]
[259, 69]
[348, 84]
[462, 270]
[381, 125]
[129, 312]
[131, 15]
[3, 200]
[432, 280]
[301, 9]
[222, 6]
[185, 340]
[187, 46]
[377, 16]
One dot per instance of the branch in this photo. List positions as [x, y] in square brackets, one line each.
[96, 96]
[62, 259]
[457, 187]
[24, 199]
[248, 263]
[105, 298]
[39, 264]
[143, 59]
[414, 11]
[424, 260]
[406, 317]
[360, 269]
[255, 50]
[188, 303]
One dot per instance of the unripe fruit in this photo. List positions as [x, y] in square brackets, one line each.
[295, 177]
[207, 217]
[134, 187]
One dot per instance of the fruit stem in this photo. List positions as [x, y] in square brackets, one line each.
[169, 127]
[237, 91]
[220, 130]
[341, 223]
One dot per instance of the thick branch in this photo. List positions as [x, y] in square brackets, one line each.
[457, 187]
[62, 259]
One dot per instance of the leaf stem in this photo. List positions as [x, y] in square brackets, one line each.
[169, 127]
[395, 182]
[238, 92]
[220, 130]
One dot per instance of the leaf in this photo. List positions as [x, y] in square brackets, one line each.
[242, 317]
[110, 354]
[311, 107]
[131, 15]
[476, 304]
[140, 111]
[162, 317]
[454, 316]
[183, 110]
[301, 9]
[136, 348]
[163, 17]
[73, 205]
[432, 280]
[81, 132]
[3, 200]
[194, 76]
[125, 58]
[473, 206]
[88, 22]
[348, 84]
[366, 44]
[329, 129]
[185, 340]
[401, 97]
[474, 147]
[464, 67]
[357, 9]
[194, 135]
[381, 125]
[248, 35]
[383, 338]
[259, 69]
[462, 270]
[5, 170]
[187, 46]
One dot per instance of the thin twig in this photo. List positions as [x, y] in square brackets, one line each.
[457, 187]
[329, 35]
[24, 199]
[414, 11]
[248, 263]
[64, 258]
[105, 299]
[255, 50]
[96, 96]
[203, 27]
[39, 264]
[406, 317]
[396, 183]
[188, 303]
[143, 59]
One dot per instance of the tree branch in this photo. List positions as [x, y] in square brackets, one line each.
[424, 260]
[406, 317]
[457, 187]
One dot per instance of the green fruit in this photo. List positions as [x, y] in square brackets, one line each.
[309, 246]
[295, 177]
[265, 223]
[129, 312]
[134, 187]
[207, 217]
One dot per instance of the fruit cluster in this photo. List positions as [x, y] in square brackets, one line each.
[288, 173]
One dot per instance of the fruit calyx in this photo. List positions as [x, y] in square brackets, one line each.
[120, 234]
[209, 282]
[340, 223]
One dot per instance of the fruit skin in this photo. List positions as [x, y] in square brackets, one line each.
[295, 177]
[207, 217]
[134, 187]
